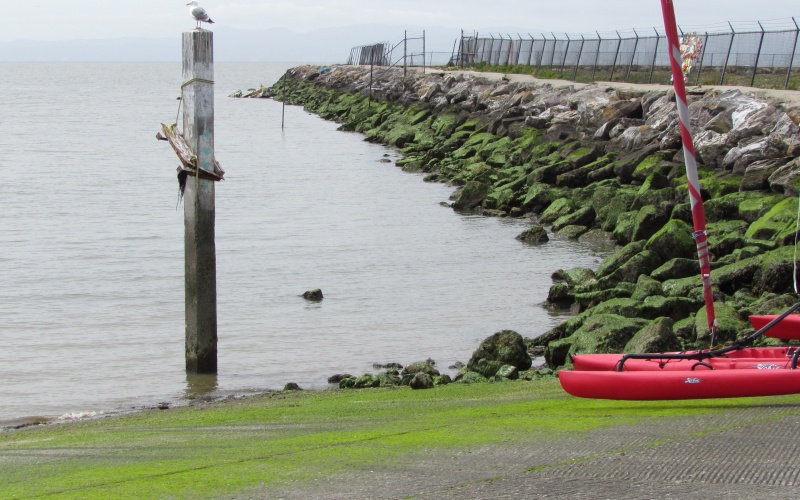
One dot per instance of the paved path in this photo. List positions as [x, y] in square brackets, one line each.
[744, 452]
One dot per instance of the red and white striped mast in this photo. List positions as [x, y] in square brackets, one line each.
[690, 158]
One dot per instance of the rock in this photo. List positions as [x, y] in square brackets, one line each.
[335, 379]
[506, 346]
[534, 234]
[729, 325]
[646, 287]
[487, 368]
[508, 371]
[442, 380]
[390, 378]
[656, 337]
[365, 381]
[472, 378]
[677, 268]
[421, 381]
[347, 382]
[421, 367]
[313, 295]
[471, 195]
[648, 221]
[757, 174]
[556, 210]
[674, 240]
[786, 179]
[291, 386]
[600, 333]
[582, 217]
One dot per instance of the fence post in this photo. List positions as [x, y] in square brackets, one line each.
[702, 56]
[566, 51]
[597, 54]
[758, 54]
[616, 55]
[728, 56]
[633, 56]
[199, 211]
[491, 49]
[553, 52]
[578, 62]
[405, 52]
[655, 56]
[423, 52]
[794, 50]
[530, 54]
[541, 55]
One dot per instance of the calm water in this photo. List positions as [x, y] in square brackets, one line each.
[91, 301]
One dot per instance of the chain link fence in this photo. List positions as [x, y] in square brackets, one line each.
[765, 57]
[758, 54]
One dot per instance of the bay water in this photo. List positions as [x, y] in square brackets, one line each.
[91, 247]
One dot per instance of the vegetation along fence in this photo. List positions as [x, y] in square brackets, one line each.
[762, 55]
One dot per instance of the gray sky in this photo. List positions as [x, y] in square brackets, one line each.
[76, 19]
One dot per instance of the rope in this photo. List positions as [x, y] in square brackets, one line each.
[796, 230]
[201, 80]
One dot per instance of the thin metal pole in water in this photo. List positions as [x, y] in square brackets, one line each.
[283, 102]
[794, 50]
[199, 210]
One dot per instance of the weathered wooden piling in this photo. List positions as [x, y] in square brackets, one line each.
[197, 93]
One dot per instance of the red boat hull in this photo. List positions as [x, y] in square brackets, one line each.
[788, 328]
[749, 357]
[679, 384]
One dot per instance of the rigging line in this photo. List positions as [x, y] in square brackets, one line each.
[796, 230]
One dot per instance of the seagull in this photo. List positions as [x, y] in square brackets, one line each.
[199, 13]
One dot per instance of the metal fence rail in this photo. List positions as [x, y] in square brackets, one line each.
[766, 57]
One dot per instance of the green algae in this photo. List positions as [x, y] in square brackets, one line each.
[288, 439]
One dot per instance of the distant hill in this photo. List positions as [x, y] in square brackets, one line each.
[330, 45]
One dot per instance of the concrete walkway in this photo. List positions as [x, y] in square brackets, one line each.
[747, 452]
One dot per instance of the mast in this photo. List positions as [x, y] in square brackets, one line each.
[698, 212]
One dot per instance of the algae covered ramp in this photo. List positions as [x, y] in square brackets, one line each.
[505, 440]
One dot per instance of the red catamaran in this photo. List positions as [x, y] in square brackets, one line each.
[739, 370]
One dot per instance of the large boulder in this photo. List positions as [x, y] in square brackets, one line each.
[674, 240]
[602, 333]
[506, 346]
[655, 337]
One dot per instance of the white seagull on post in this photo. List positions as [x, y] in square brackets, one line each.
[199, 14]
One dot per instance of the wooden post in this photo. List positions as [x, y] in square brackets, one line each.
[199, 211]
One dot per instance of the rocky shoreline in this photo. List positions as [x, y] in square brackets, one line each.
[590, 161]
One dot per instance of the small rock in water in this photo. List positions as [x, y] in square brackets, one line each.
[456, 366]
[313, 295]
[335, 379]
[291, 386]
[387, 366]
[163, 406]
